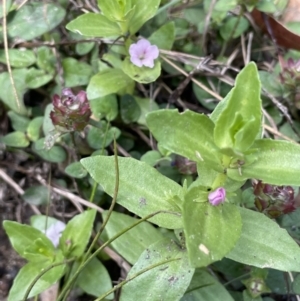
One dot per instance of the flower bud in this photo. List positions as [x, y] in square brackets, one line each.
[217, 196]
[274, 200]
[71, 112]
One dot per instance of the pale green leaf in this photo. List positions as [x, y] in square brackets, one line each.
[264, 244]
[210, 231]
[166, 282]
[15, 139]
[94, 25]
[142, 189]
[276, 162]
[18, 58]
[141, 236]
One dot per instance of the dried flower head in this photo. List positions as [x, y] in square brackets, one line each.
[54, 232]
[217, 196]
[184, 165]
[143, 53]
[274, 200]
[71, 112]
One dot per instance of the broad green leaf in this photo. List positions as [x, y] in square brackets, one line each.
[94, 279]
[277, 162]
[107, 82]
[15, 139]
[210, 231]
[18, 122]
[151, 157]
[34, 128]
[77, 234]
[76, 73]
[144, 10]
[18, 58]
[144, 75]
[164, 37]
[188, 134]
[76, 170]
[94, 25]
[264, 244]
[34, 19]
[24, 236]
[107, 106]
[129, 109]
[166, 282]
[84, 48]
[97, 137]
[141, 236]
[234, 27]
[7, 92]
[56, 154]
[36, 195]
[46, 59]
[112, 9]
[205, 287]
[36, 78]
[27, 275]
[142, 189]
[239, 123]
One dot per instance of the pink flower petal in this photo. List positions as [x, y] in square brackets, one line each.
[136, 61]
[148, 62]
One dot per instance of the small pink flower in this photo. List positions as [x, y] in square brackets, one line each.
[217, 197]
[143, 53]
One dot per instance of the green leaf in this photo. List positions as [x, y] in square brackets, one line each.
[144, 10]
[56, 154]
[94, 25]
[36, 195]
[76, 170]
[239, 123]
[97, 137]
[36, 78]
[144, 75]
[46, 59]
[210, 231]
[7, 91]
[76, 73]
[94, 279]
[34, 19]
[18, 122]
[107, 106]
[29, 272]
[147, 105]
[165, 282]
[18, 58]
[77, 233]
[142, 189]
[276, 162]
[141, 236]
[47, 123]
[112, 9]
[231, 29]
[151, 157]
[15, 139]
[204, 287]
[264, 244]
[34, 128]
[23, 236]
[129, 109]
[188, 134]
[107, 82]
[8, 5]
[164, 37]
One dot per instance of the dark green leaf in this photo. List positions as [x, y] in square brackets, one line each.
[234, 27]
[107, 106]
[164, 37]
[76, 170]
[142, 189]
[129, 109]
[18, 122]
[36, 195]
[34, 19]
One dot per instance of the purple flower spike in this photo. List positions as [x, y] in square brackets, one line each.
[54, 232]
[143, 53]
[217, 197]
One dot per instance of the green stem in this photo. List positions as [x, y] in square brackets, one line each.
[116, 287]
[65, 289]
[44, 271]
